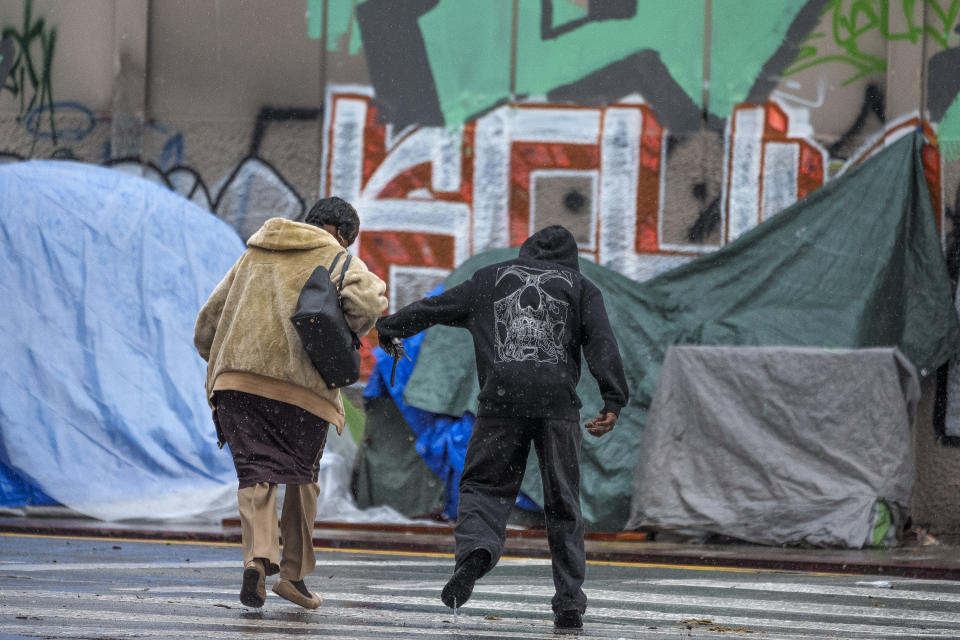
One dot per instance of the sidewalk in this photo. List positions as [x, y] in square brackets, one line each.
[912, 560]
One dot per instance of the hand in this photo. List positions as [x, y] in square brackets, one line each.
[602, 424]
[394, 348]
[384, 339]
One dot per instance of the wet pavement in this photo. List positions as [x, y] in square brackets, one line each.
[935, 561]
[116, 587]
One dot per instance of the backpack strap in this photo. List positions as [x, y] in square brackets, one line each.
[333, 264]
[343, 272]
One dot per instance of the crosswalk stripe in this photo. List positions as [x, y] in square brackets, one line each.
[866, 591]
[217, 564]
[259, 626]
[369, 622]
[697, 612]
[350, 632]
[332, 600]
[648, 598]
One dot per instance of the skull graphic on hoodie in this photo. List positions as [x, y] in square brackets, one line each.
[531, 318]
[529, 321]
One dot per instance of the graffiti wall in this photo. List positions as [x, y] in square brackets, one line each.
[655, 133]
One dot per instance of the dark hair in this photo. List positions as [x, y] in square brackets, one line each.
[337, 212]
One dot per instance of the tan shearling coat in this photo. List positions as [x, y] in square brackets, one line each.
[244, 330]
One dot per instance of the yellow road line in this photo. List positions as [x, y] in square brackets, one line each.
[705, 567]
[427, 554]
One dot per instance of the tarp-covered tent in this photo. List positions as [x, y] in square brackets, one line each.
[857, 263]
[408, 454]
[102, 405]
[779, 446]
[101, 400]
[388, 470]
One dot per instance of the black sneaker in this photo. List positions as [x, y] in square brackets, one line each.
[458, 589]
[568, 619]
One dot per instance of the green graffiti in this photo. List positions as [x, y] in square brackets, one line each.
[744, 34]
[315, 19]
[342, 24]
[855, 26]
[946, 17]
[543, 65]
[469, 49]
[567, 11]
[468, 46]
[24, 76]
[948, 132]
[474, 67]
[343, 33]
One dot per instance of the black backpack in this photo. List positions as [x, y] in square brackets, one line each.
[318, 318]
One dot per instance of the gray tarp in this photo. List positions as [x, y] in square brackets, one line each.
[779, 445]
[857, 263]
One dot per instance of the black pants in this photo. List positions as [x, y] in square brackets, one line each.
[493, 470]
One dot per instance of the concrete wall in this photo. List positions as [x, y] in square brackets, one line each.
[656, 135]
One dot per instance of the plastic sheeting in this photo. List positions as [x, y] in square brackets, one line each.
[389, 471]
[336, 503]
[857, 263]
[444, 381]
[102, 405]
[101, 401]
[441, 440]
[779, 446]
[18, 490]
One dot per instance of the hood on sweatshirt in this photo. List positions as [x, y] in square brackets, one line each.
[280, 234]
[552, 244]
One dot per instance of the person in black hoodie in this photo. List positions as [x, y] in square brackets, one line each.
[529, 318]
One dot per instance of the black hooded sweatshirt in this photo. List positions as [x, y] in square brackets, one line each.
[529, 318]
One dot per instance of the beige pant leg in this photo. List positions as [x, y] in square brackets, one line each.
[258, 522]
[296, 527]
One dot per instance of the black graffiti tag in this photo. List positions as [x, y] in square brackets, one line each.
[7, 53]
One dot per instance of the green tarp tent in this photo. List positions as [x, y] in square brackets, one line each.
[389, 471]
[857, 263]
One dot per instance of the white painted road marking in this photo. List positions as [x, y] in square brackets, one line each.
[892, 593]
[381, 596]
[337, 605]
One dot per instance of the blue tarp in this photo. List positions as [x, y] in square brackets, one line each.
[102, 404]
[17, 490]
[441, 440]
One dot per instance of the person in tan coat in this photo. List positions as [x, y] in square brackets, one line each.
[269, 403]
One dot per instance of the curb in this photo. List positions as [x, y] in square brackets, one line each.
[626, 547]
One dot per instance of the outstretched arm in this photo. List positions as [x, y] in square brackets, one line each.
[452, 307]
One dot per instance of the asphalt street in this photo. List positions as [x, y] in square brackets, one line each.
[59, 587]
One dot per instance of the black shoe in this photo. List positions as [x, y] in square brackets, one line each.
[253, 592]
[458, 589]
[568, 619]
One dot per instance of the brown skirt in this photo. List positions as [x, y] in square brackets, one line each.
[271, 441]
